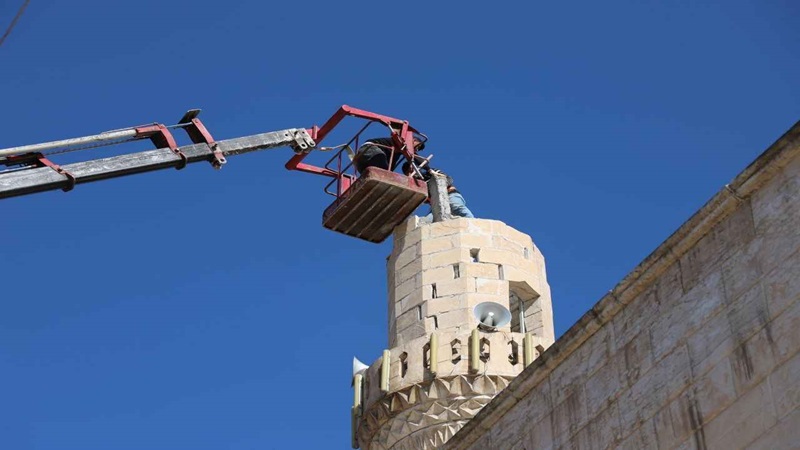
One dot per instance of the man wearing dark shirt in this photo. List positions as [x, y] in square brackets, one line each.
[377, 152]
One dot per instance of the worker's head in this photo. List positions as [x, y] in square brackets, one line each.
[419, 144]
[407, 168]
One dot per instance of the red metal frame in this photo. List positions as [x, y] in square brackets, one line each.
[161, 137]
[199, 135]
[403, 144]
[40, 160]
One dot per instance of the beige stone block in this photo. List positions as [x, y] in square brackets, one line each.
[786, 434]
[541, 435]
[715, 390]
[408, 302]
[740, 272]
[597, 350]
[404, 274]
[430, 246]
[415, 372]
[784, 333]
[533, 313]
[500, 350]
[748, 313]
[457, 286]
[603, 387]
[752, 361]
[677, 320]
[636, 317]
[674, 423]
[535, 406]
[599, 432]
[483, 442]
[427, 292]
[643, 437]
[456, 319]
[522, 419]
[636, 358]
[413, 331]
[534, 285]
[569, 416]
[410, 224]
[715, 247]
[407, 287]
[534, 323]
[445, 258]
[438, 275]
[537, 253]
[507, 434]
[520, 238]
[407, 240]
[502, 242]
[390, 277]
[710, 344]
[546, 308]
[742, 422]
[532, 266]
[479, 270]
[533, 309]
[497, 226]
[441, 305]
[782, 285]
[474, 241]
[446, 228]
[668, 286]
[392, 334]
[785, 382]
[408, 318]
[480, 226]
[372, 388]
[492, 287]
[651, 391]
[776, 213]
[453, 363]
[497, 256]
[567, 378]
[430, 322]
[405, 257]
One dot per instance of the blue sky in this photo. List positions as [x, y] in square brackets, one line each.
[210, 310]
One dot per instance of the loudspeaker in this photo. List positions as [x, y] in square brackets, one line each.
[491, 315]
[359, 367]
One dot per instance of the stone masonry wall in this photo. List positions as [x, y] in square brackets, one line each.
[437, 274]
[697, 349]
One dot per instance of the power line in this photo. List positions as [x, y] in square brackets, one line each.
[14, 22]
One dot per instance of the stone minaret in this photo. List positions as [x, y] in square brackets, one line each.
[441, 368]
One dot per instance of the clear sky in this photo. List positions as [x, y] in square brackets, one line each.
[210, 310]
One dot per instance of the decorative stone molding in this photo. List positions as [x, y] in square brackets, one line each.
[425, 415]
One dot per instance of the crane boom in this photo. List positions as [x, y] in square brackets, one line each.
[368, 205]
[28, 181]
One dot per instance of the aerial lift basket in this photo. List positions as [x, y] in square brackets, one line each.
[369, 205]
[374, 205]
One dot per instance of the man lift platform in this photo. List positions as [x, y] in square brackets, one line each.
[367, 206]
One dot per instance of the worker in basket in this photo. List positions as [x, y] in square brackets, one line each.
[458, 206]
[378, 152]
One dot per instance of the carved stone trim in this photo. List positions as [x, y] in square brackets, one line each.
[425, 415]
